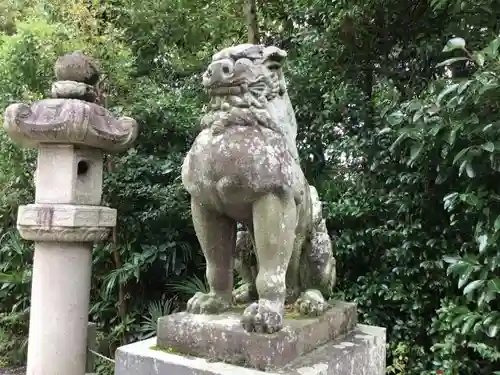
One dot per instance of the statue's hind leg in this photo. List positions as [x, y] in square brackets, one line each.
[322, 261]
[274, 219]
[293, 282]
[245, 264]
[321, 275]
[217, 237]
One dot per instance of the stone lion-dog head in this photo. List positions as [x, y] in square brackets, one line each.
[243, 82]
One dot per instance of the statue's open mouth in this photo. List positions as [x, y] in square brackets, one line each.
[241, 93]
[238, 89]
[227, 90]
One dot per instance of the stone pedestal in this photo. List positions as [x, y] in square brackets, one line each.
[189, 344]
[66, 219]
[222, 337]
[360, 352]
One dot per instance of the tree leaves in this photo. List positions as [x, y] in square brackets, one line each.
[395, 118]
[448, 90]
[493, 330]
[462, 130]
[483, 242]
[494, 285]
[478, 58]
[492, 48]
[415, 152]
[488, 146]
[473, 286]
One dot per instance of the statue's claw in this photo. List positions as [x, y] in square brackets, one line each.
[202, 303]
[311, 302]
[242, 294]
[263, 317]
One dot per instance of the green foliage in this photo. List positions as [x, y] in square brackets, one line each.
[458, 118]
[399, 134]
[156, 310]
[15, 278]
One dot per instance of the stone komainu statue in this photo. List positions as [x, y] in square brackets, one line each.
[243, 168]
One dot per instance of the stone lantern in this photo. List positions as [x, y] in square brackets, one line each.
[71, 132]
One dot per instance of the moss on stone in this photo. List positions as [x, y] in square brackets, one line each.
[290, 313]
[237, 361]
[237, 309]
[171, 350]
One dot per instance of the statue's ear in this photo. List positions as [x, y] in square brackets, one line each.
[274, 54]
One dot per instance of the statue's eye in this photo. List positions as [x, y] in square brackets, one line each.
[273, 65]
[225, 69]
[243, 64]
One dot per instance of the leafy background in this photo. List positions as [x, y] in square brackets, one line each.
[400, 136]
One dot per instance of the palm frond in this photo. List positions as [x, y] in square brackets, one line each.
[156, 310]
[189, 286]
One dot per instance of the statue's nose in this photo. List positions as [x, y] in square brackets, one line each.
[218, 72]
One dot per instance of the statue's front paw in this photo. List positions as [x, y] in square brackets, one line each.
[311, 302]
[243, 294]
[263, 317]
[207, 303]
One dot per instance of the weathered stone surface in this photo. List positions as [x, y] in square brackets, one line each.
[76, 171]
[60, 215]
[77, 67]
[243, 168]
[69, 121]
[74, 90]
[221, 337]
[66, 223]
[361, 352]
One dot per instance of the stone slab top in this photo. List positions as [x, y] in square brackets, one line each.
[222, 337]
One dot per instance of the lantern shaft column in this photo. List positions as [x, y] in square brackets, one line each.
[58, 323]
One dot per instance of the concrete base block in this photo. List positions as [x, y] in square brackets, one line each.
[361, 352]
